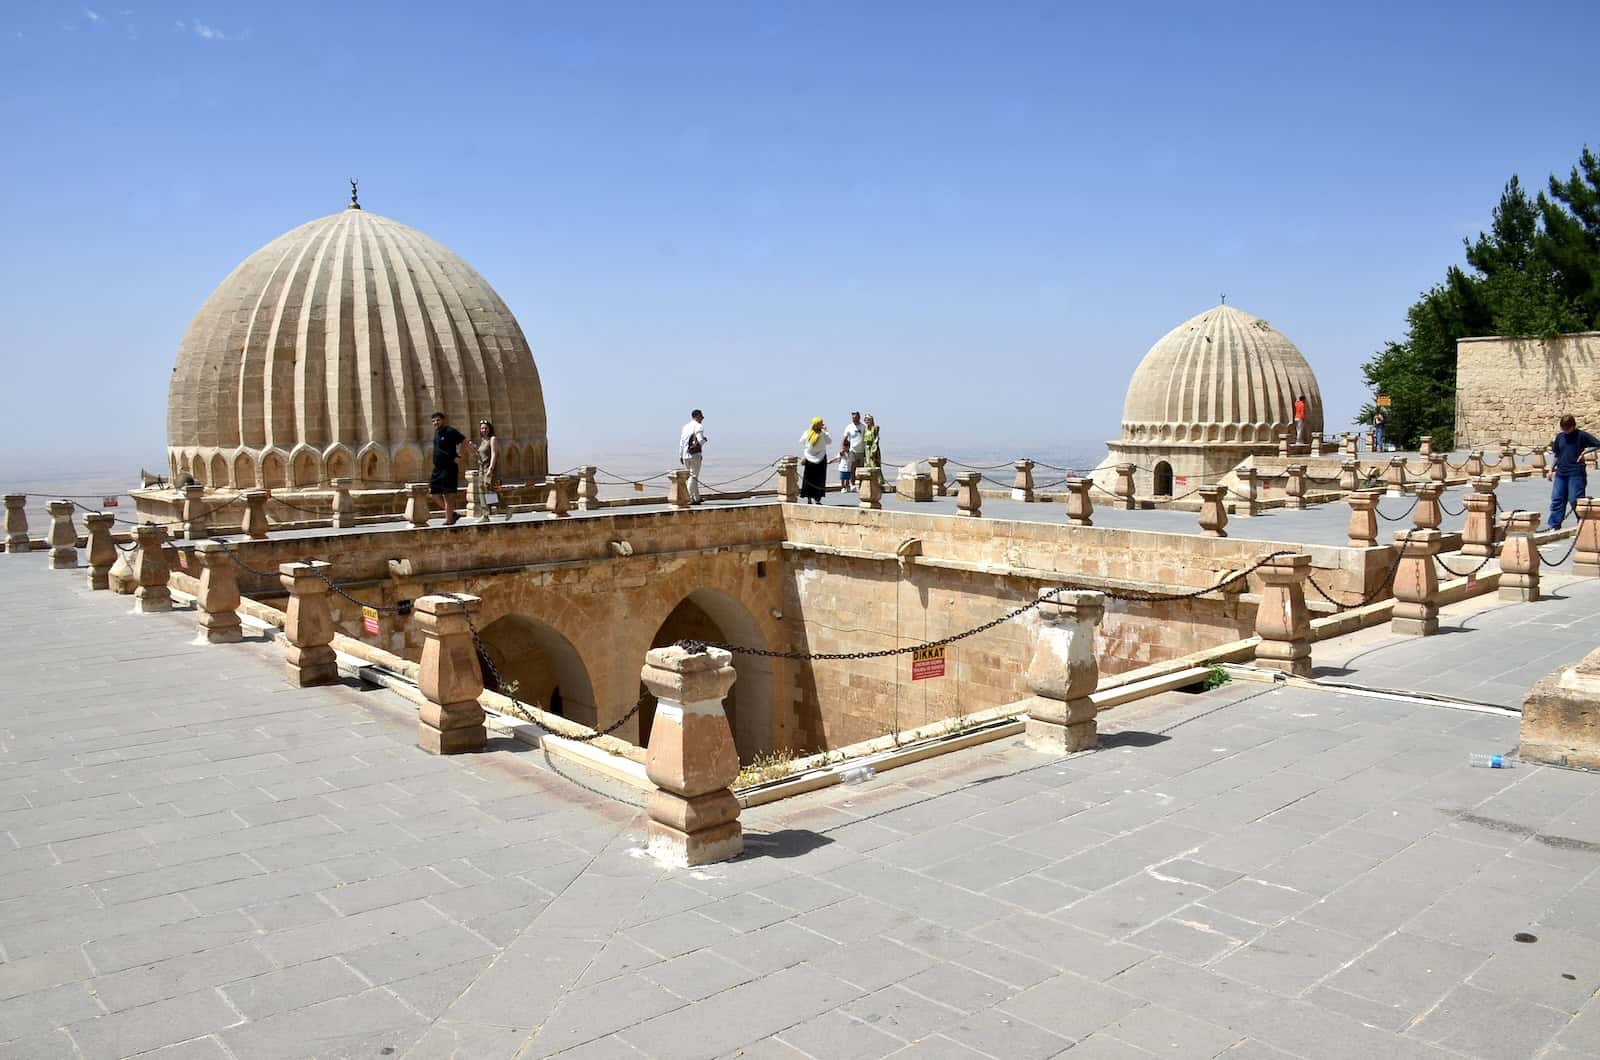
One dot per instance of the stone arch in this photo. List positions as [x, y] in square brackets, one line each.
[544, 664]
[1163, 480]
[305, 466]
[510, 462]
[274, 473]
[244, 471]
[173, 466]
[338, 462]
[406, 464]
[198, 472]
[712, 614]
[219, 470]
[372, 464]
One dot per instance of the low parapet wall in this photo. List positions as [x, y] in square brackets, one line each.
[1561, 717]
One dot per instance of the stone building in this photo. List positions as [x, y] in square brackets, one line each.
[322, 355]
[1519, 388]
[1213, 392]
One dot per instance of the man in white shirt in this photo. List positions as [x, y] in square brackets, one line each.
[855, 437]
[691, 450]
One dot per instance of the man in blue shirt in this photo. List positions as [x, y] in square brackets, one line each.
[1570, 478]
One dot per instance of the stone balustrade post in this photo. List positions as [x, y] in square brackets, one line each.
[1080, 506]
[1213, 513]
[449, 677]
[1538, 464]
[102, 550]
[1063, 672]
[255, 514]
[1350, 475]
[1477, 534]
[1252, 491]
[1022, 484]
[477, 507]
[1282, 621]
[1395, 477]
[344, 506]
[419, 509]
[1351, 445]
[1416, 583]
[1125, 497]
[1426, 514]
[63, 536]
[1438, 470]
[558, 501]
[969, 500]
[1591, 459]
[588, 489]
[936, 472]
[678, 489]
[151, 572]
[218, 600]
[789, 480]
[691, 759]
[1363, 528]
[308, 630]
[1425, 445]
[122, 579]
[1520, 559]
[1586, 550]
[913, 484]
[1294, 487]
[1474, 463]
[17, 523]
[1284, 446]
[1508, 458]
[869, 488]
[196, 519]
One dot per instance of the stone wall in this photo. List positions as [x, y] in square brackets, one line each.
[1519, 388]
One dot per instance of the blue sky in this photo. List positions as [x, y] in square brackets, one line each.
[971, 218]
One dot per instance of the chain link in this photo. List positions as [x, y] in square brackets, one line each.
[1378, 509]
[1565, 556]
[1460, 574]
[1384, 586]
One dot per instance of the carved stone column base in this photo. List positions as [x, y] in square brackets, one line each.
[451, 730]
[1291, 657]
[149, 601]
[682, 850]
[1418, 620]
[307, 667]
[222, 628]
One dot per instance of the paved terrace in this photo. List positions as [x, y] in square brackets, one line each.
[197, 861]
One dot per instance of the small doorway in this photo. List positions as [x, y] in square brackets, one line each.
[1163, 484]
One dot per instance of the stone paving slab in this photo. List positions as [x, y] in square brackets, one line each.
[198, 861]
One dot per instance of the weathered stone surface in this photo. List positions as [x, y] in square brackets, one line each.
[1294, 487]
[1022, 483]
[1282, 621]
[677, 489]
[969, 498]
[150, 571]
[1213, 514]
[588, 491]
[1519, 558]
[102, 550]
[936, 469]
[914, 483]
[218, 599]
[1080, 506]
[1416, 583]
[17, 522]
[1363, 529]
[691, 758]
[1561, 717]
[1477, 534]
[344, 508]
[196, 514]
[308, 628]
[1124, 490]
[1063, 671]
[255, 514]
[451, 722]
[63, 536]
[418, 506]
[869, 488]
[1426, 514]
[1586, 554]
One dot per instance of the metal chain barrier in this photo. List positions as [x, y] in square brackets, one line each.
[1571, 547]
[1365, 600]
[1462, 574]
[1131, 595]
[1445, 508]
[1378, 509]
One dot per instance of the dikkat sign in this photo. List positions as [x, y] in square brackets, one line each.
[927, 662]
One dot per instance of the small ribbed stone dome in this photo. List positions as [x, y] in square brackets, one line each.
[1221, 376]
[324, 353]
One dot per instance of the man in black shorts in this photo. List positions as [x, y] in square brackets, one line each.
[445, 483]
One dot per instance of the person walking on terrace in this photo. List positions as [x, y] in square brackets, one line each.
[1569, 479]
[814, 446]
[1378, 420]
[855, 441]
[449, 445]
[691, 451]
[1300, 437]
[489, 467]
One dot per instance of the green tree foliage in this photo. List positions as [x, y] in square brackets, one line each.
[1535, 272]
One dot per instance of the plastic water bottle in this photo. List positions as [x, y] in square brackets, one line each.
[1494, 761]
[856, 774]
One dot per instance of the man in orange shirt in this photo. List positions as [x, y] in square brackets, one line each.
[1300, 420]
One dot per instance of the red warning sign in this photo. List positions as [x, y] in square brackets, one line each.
[927, 662]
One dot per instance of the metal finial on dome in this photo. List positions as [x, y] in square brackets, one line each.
[1224, 299]
[354, 204]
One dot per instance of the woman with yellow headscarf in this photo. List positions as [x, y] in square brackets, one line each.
[814, 446]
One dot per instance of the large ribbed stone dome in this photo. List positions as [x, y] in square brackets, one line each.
[323, 354]
[1221, 376]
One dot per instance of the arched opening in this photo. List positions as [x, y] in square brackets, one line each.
[1163, 484]
[244, 472]
[713, 615]
[543, 664]
[274, 470]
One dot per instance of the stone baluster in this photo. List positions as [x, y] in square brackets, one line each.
[63, 536]
[1363, 529]
[869, 488]
[1586, 550]
[1425, 445]
[17, 523]
[1474, 463]
[1395, 478]
[558, 497]
[1022, 484]
[102, 550]
[1294, 486]
[1080, 506]
[936, 471]
[1426, 514]
[151, 572]
[1416, 583]
[1591, 459]
[1350, 475]
[477, 507]
[344, 506]
[588, 489]
[913, 484]
[1285, 446]
[1438, 470]
[122, 579]
[969, 500]
[218, 600]
[1508, 458]
[1125, 498]
[1372, 441]
[1477, 535]
[1252, 491]
[1351, 447]
[308, 659]
[1063, 672]
[678, 489]
[1520, 559]
[419, 508]
[1538, 464]
[1213, 513]
[691, 759]
[789, 480]
[196, 519]
[255, 514]
[1282, 621]
[451, 721]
